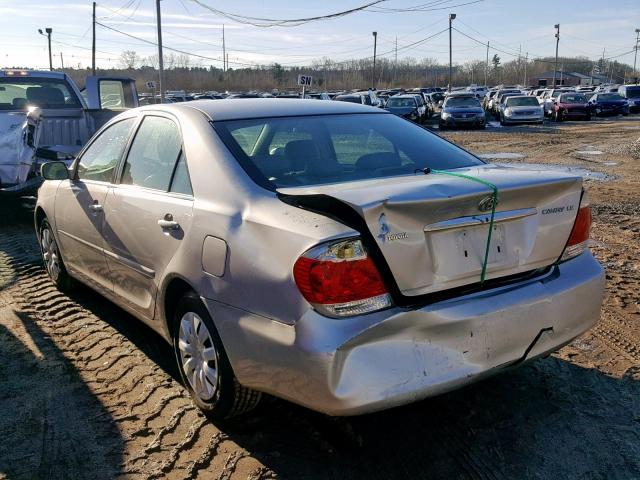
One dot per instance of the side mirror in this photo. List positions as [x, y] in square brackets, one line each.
[54, 171]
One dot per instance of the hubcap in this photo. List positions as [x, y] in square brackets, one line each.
[50, 253]
[198, 356]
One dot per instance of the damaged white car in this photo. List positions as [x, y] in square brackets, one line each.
[44, 116]
[331, 254]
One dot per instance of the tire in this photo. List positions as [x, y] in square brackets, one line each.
[587, 118]
[216, 391]
[52, 258]
[557, 116]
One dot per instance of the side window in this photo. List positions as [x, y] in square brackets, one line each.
[181, 182]
[115, 94]
[101, 158]
[153, 154]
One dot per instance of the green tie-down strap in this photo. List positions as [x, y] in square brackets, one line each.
[493, 212]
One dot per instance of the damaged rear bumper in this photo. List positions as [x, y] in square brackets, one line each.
[389, 358]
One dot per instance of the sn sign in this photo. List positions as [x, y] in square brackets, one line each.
[305, 80]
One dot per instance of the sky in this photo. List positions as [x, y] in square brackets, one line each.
[511, 26]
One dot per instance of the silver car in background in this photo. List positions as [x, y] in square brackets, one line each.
[521, 109]
[331, 254]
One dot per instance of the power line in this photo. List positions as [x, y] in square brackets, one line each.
[279, 22]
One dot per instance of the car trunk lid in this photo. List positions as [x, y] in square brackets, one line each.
[432, 229]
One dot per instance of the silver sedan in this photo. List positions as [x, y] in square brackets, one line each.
[331, 254]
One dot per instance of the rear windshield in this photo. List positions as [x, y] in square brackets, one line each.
[522, 102]
[314, 150]
[462, 102]
[401, 102]
[349, 99]
[610, 96]
[20, 93]
[633, 92]
[573, 98]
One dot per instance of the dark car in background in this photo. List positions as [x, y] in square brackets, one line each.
[602, 104]
[360, 98]
[632, 94]
[405, 106]
[571, 105]
[462, 111]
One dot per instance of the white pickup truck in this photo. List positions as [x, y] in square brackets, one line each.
[45, 116]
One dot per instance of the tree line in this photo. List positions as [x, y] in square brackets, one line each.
[180, 73]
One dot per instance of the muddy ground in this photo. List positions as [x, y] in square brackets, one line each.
[88, 392]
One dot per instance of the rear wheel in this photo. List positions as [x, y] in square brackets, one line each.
[204, 365]
[52, 258]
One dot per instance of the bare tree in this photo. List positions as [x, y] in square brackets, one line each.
[129, 59]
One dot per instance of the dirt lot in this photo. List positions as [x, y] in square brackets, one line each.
[88, 392]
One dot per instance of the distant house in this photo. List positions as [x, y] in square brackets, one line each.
[572, 79]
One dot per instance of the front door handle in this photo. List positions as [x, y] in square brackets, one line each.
[168, 223]
[95, 207]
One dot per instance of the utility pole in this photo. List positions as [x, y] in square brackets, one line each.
[557, 27]
[452, 17]
[160, 59]
[486, 67]
[635, 56]
[61, 60]
[48, 35]
[224, 52]
[93, 42]
[395, 63]
[375, 47]
[526, 60]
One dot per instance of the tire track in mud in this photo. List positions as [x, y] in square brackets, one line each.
[157, 420]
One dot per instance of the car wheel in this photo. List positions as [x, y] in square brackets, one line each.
[557, 116]
[588, 118]
[204, 365]
[52, 259]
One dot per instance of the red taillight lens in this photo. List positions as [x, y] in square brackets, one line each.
[579, 239]
[339, 279]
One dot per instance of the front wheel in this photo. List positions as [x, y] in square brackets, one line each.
[204, 365]
[52, 258]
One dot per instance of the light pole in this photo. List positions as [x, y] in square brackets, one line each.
[555, 69]
[375, 46]
[635, 56]
[48, 35]
[160, 58]
[452, 17]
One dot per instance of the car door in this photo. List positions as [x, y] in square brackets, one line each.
[79, 204]
[148, 212]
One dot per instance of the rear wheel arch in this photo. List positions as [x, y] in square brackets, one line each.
[176, 288]
[39, 216]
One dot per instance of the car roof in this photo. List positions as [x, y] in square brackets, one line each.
[237, 109]
[404, 95]
[31, 73]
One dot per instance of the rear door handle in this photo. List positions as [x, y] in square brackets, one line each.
[168, 223]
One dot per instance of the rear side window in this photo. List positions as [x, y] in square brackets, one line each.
[153, 154]
[313, 150]
[99, 160]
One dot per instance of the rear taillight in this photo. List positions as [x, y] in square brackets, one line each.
[579, 239]
[339, 279]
